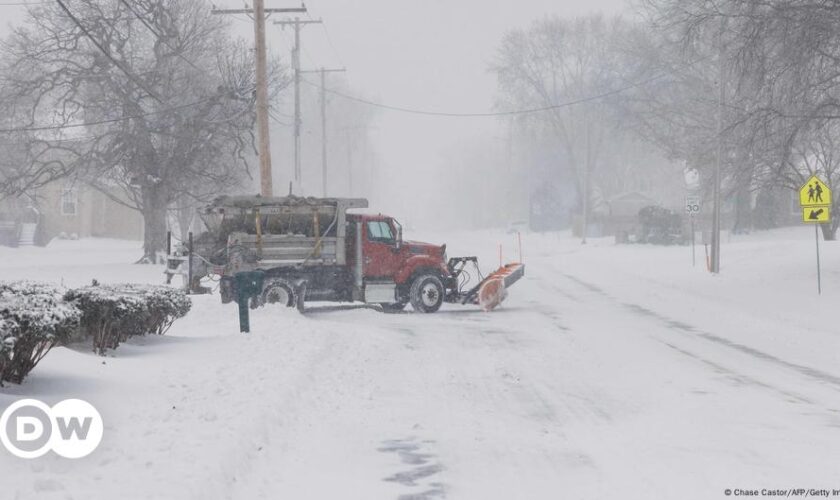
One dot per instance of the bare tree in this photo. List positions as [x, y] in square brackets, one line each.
[151, 96]
[782, 56]
[558, 61]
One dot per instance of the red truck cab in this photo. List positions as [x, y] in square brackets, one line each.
[389, 266]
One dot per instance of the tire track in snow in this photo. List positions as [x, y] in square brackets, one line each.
[696, 333]
[739, 377]
[804, 370]
[521, 382]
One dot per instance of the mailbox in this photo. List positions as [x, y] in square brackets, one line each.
[249, 284]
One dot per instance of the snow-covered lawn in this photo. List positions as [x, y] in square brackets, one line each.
[610, 372]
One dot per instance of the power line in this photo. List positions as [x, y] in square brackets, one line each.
[160, 37]
[323, 72]
[297, 25]
[332, 46]
[102, 49]
[291, 41]
[116, 63]
[284, 115]
[526, 111]
[329, 40]
[162, 40]
[260, 13]
[278, 121]
[143, 20]
[102, 122]
[496, 113]
[241, 19]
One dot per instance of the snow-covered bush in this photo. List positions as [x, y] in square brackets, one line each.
[33, 319]
[8, 336]
[165, 305]
[112, 313]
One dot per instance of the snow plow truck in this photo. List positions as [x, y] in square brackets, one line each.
[311, 249]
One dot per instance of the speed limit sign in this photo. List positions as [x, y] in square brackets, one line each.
[692, 205]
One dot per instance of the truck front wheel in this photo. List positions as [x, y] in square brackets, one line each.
[426, 293]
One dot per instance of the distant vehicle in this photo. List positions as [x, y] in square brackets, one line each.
[312, 249]
[519, 226]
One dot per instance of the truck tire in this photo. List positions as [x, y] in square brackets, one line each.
[426, 293]
[278, 291]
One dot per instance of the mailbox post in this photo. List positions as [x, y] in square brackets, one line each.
[248, 284]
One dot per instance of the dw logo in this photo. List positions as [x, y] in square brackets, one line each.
[71, 428]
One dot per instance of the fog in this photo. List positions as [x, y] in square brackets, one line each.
[429, 55]
[647, 107]
[599, 257]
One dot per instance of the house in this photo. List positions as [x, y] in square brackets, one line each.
[67, 209]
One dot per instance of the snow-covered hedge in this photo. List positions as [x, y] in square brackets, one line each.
[112, 313]
[33, 319]
[165, 305]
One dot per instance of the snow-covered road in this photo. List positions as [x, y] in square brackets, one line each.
[610, 372]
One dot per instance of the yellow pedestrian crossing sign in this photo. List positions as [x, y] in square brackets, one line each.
[814, 193]
[816, 215]
[815, 198]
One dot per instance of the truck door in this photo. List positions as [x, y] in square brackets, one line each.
[381, 257]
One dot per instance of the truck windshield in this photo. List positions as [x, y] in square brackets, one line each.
[380, 231]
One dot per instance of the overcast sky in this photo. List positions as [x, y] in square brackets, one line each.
[426, 54]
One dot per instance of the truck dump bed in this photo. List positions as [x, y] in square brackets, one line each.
[262, 233]
[280, 250]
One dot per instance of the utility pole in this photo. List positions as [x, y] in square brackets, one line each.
[259, 13]
[323, 73]
[297, 24]
[719, 156]
[586, 173]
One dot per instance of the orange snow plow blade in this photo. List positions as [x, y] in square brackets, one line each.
[493, 289]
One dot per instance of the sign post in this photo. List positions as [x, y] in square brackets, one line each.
[693, 253]
[815, 200]
[692, 208]
[819, 279]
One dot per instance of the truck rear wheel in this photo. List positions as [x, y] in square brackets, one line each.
[426, 293]
[278, 291]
